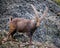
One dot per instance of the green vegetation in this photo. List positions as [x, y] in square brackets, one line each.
[57, 1]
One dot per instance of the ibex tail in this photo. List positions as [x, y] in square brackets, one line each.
[10, 19]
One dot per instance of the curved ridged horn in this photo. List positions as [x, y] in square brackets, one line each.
[44, 14]
[36, 12]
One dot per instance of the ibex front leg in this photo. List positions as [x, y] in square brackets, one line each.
[30, 37]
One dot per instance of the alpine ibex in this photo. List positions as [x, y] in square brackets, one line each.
[25, 25]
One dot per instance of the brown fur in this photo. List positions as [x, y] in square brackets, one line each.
[24, 25]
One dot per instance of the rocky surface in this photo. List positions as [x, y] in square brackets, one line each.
[21, 44]
[49, 30]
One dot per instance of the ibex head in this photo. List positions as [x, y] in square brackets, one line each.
[37, 19]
